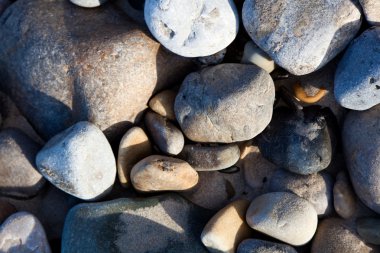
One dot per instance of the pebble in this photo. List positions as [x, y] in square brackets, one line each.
[207, 158]
[164, 223]
[283, 216]
[185, 27]
[254, 55]
[361, 138]
[299, 36]
[22, 232]
[88, 3]
[225, 103]
[357, 86]
[163, 104]
[227, 228]
[79, 161]
[6, 209]
[345, 201]
[260, 246]
[371, 11]
[161, 173]
[19, 176]
[299, 142]
[133, 147]
[369, 230]
[334, 235]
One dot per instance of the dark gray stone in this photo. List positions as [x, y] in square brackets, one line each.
[369, 230]
[260, 246]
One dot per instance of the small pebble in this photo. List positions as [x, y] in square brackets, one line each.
[345, 201]
[163, 103]
[254, 55]
[369, 230]
[88, 3]
[260, 246]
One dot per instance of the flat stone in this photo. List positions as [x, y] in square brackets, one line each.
[207, 158]
[371, 11]
[165, 134]
[227, 228]
[185, 27]
[301, 36]
[225, 103]
[88, 3]
[79, 161]
[369, 230]
[260, 246]
[22, 232]
[162, 173]
[133, 147]
[357, 85]
[283, 216]
[254, 55]
[19, 176]
[166, 223]
[163, 103]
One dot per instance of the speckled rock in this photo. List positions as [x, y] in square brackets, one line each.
[337, 236]
[22, 232]
[88, 3]
[357, 86]
[19, 176]
[165, 223]
[105, 77]
[227, 228]
[206, 158]
[254, 55]
[299, 142]
[163, 103]
[165, 134]
[185, 27]
[371, 11]
[369, 230]
[301, 36]
[225, 103]
[260, 246]
[284, 216]
[162, 173]
[316, 188]
[79, 161]
[361, 137]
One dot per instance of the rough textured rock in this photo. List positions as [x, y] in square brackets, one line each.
[19, 176]
[369, 230]
[362, 152]
[357, 86]
[297, 141]
[105, 77]
[302, 36]
[133, 147]
[163, 103]
[165, 223]
[337, 236]
[206, 158]
[88, 3]
[227, 228]
[284, 216]
[225, 103]
[260, 246]
[254, 55]
[185, 27]
[316, 188]
[162, 173]
[165, 134]
[22, 232]
[371, 10]
[79, 161]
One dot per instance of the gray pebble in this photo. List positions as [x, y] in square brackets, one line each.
[260, 246]
[88, 3]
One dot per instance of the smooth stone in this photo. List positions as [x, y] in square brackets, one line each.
[105, 77]
[299, 142]
[208, 158]
[299, 36]
[19, 176]
[216, 189]
[283, 216]
[334, 235]
[227, 228]
[162, 173]
[225, 103]
[6, 209]
[163, 103]
[88, 3]
[133, 147]
[345, 201]
[369, 230]
[361, 138]
[165, 223]
[316, 188]
[165, 134]
[22, 232]
[371, 11]
[357, 86]
[185, 27]
[79, 161]
[254, 55]
[260, 246]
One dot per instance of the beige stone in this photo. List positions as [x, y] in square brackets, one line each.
[163, 103]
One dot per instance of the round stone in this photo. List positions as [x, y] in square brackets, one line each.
[260, 246]
[185, 27]
[163, 103]
[371, 10]
[79, 161]
[88, 3]
[254, 55]
[369, 230]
